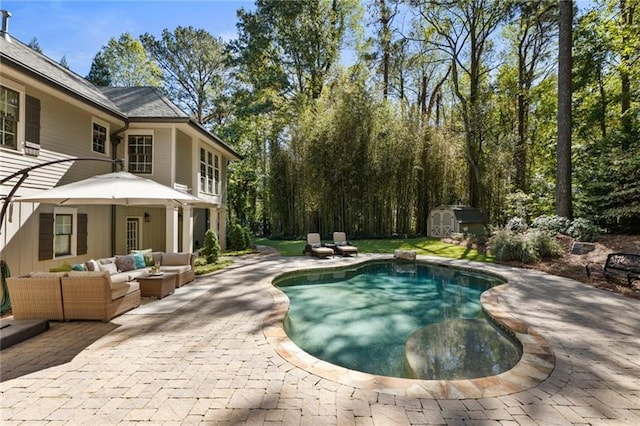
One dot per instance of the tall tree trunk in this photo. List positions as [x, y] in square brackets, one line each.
[564, 205]
[626, 14]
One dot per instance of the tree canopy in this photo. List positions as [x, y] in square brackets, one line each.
[443, 102]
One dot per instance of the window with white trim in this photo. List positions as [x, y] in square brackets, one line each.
[64, 232]
[216, 175]
[99, 137]
[9, 117]
[141, 154]
[209, 172]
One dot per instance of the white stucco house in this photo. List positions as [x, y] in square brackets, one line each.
[47, 113]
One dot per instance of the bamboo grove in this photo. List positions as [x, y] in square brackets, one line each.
[362, 116]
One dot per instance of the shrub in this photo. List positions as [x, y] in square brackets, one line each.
[527, 247]
[552, 224]
[545, 244]
[238, 238]
[517, 224]
[584, 230]
[210, 247]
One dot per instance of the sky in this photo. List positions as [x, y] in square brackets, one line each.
[78, 29]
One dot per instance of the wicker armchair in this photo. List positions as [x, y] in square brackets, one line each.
[92, 296]
[36, 296]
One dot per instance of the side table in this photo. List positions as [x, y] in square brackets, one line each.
[157, 286]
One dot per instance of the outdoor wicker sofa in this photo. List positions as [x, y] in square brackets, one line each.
[101, 293]
[36, 296]
[88, 295]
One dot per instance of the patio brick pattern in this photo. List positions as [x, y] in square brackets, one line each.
[205, 355]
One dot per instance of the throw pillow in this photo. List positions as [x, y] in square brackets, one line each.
[65, 267]
[92, 265]
[110, 268]
[341, 243]
[148, 257]
[138, 260]
[125, 263]
[79, 267]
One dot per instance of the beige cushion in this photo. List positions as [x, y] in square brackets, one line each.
[122, 277]
[176, 259]
[119, 290]
[157, 257]
[176, 269]
[48, 274]
[88, 274]
[322, 250]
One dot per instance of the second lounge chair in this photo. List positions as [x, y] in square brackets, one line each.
[342, 245]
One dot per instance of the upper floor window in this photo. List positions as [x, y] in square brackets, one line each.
[9, 115]
[216, 174]
[99, 138]
[140, 153]
[209, 172]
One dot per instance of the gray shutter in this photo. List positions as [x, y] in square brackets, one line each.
[32, 120]
[45, 250]
[82, 233]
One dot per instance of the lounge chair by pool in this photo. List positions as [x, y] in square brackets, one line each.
[315, 246]
[343, 246]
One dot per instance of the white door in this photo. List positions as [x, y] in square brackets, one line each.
[133, 233]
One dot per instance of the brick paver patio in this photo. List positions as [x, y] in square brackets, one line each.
[200, 356]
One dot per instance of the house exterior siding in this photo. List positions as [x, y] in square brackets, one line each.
[69, 106]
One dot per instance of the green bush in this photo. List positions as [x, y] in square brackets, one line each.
[527, 247]
[579, 229]
[210, 247]
[584, 230]
[552, 224]
[238, 238]
[517, 224]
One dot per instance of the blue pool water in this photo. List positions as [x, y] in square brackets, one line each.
[398, 319]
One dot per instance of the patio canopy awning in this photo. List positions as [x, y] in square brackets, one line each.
[119, 188]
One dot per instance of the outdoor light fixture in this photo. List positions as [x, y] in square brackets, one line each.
[147, 217]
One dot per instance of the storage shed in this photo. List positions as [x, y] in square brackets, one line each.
[446, 220]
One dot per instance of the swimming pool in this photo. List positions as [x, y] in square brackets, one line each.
[398, 319]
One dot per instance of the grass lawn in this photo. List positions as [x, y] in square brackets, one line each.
[426, 246]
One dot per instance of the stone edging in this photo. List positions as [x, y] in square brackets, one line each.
[536, 364]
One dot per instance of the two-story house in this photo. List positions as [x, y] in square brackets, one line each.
[48, 112]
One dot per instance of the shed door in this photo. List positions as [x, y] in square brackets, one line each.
[448, 221]
[436, 226]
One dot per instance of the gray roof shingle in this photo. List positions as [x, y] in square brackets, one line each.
[143, 102]
[18, 55]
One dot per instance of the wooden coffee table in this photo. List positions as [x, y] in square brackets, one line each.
[157, 286]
